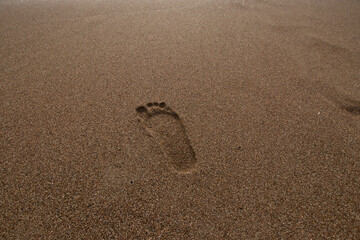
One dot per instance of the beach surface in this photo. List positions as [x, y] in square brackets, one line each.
[180, 119]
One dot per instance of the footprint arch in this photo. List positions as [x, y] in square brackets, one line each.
[166, 127]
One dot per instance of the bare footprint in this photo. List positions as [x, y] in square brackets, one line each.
[166, 127]
[344, 102]
[350, 105]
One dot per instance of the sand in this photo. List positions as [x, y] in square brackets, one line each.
[259, 137]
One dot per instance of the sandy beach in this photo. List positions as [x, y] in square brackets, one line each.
[180, 119]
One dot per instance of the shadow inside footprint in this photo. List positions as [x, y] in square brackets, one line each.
[346, 103]
[166, 127]
[354, 109]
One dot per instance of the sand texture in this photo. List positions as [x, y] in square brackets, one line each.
[180, 119]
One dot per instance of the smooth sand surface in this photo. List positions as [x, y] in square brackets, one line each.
[259, 138]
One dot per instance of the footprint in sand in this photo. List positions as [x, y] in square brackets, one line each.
[166, 127]
[348, 104]
[344, 102]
